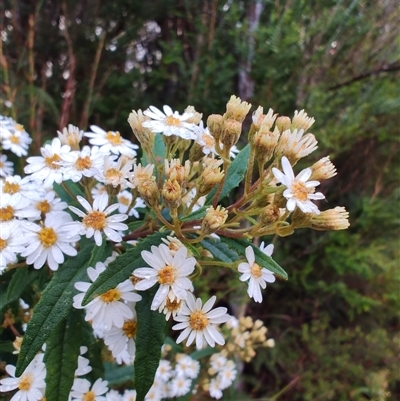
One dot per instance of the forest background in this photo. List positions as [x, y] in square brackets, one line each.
[336, 321]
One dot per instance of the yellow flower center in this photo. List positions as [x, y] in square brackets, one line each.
[14, 139]
[83, 163]
[113, 174]
[198, 321]
[114, 138]
[52, 162]
[208, 140]
[6, 213]
[173, 305]
[1, 164]
[299, 190]
[171, 120]
[111, 296]
[11, 188]
[43, 206]
[3, 244]
[166, 275]
[125, 201]
[129, 328]
[89, 396]
[25, 382]
[47, 236]
[255, 270]
[95, 219]
[19, 127]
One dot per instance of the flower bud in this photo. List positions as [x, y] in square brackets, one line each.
[231, 132]
[172, 193]
[214, 220]
[323, 169]
[236, 109]
[175, 171]
[210, 177]
[332, 219]
[143, 134]
[283, 123]
[196, 117]
[302, 121]
[270, 214]
[69, 136]
[214, 124]
[259, 119]
[149, 192]
[265, 142]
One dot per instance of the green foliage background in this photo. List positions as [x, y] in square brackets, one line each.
[336, 321]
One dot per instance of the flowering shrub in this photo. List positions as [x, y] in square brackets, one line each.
[126, 237]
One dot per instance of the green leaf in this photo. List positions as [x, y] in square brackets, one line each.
[235, 174]
[116, 375]
[196, 215]
[150, 337]
[65, 193]
[56, 302]
[122, 267]
[240, 245]
[219, 250]
[61, 356]
[159, 150]
[202, 353]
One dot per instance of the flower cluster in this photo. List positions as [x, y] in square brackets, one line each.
[154, 216]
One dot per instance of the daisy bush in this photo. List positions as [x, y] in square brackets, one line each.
[117, 238]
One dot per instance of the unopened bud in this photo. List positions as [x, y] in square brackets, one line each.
[270, 214]
[323, 169]
[175, 171]
[231, 132]
[143, 134]
[332, 219]
[302, 121]
[236, 109]
[172, 193]
[265, 142]
[215, 124]
[283, 123]
[70, 136]
[149, 192]
[259, 119]
[196, 117]
[210, 177]
[214, 219]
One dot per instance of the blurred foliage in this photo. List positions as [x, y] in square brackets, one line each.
[336, 320]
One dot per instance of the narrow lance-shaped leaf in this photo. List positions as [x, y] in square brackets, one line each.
[150, 337]
[61, 356]
[234, 176]
[122, 267]
[219, 250]
[56, 302]
[240, 245]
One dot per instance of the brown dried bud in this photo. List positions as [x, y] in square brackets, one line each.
[214, 219]
[149, 192]
[236, 109]
[210, 177]
[215, 124]
[172, 193]
[231, 132]
[270, 214]
[175, 171]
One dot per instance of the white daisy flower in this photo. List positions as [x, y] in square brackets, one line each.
[81, 390]
[12, 242]
[267, 249]
[295, 145]
[48, 168]
[125, 203]
[110, 141]
[179, 386]
[199, 323]
[171, 306]
[215, 388]
[115, 173]
[113, 395]
[129, 395]
[164, 371]
[108, 309]
[13, 207]
[84, 163]
[118, 339]
[49, 241]
[187, 366]
[6, 167]
[15, 184]
[298, 191]
[31, 384]
[257, 275]
[16, 139]
[217, 362]
[71, 136]
[169, 123]
[204, 138]
[97, 219]
[170, 271]
[50, 203]
[227, 375]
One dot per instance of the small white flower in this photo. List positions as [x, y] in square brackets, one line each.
[81, 390]
[113, 395]
[49, 242]
[199, 323]
[129, 395]
[169, 123]
[97, 219]
[170, 271]
[13, 207]
[164, 370]
[110, 141]
[6, 167]
[267, 249]
[257, 276]
[50, 203]
[204, 139]
[115, 173]
[125, 203]
[187, 366]
[71, 136]
[215, 388]
[108, 309]
[227, 375]
[15, 139]
[298, 191]
[48, 167]
[12, 242]
[179, 386]
[217, 362]
[31, 384]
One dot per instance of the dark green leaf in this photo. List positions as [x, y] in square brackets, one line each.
[61, 356]
[235, 174]
[196, 215]
[20, 280]
[240, 245]
[121, 268]
[150, 337]
[56, 302]
[66, 190]
[219, 250]
[118, 374]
